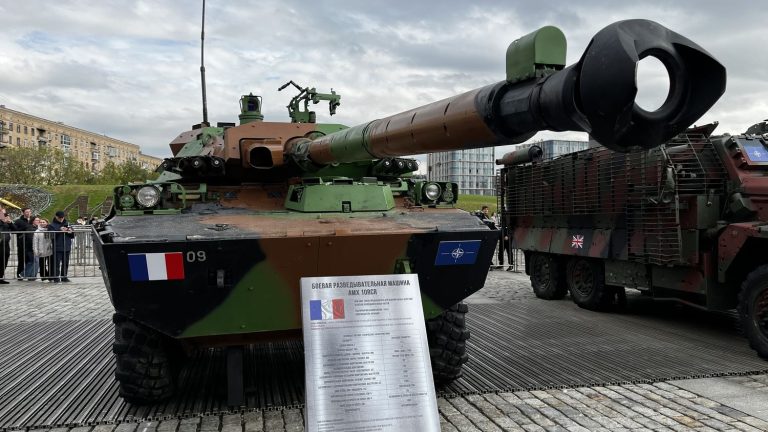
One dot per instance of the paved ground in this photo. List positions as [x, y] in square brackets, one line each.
[30, 301]
[738, 403]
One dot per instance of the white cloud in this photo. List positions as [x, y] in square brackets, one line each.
[131, 70]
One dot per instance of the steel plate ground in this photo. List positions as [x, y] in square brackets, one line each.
[535, 365]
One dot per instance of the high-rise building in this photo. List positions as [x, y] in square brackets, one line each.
[472, 169]
[18, 129]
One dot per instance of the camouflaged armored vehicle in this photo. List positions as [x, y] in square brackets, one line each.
[686, 221]
[211, 254]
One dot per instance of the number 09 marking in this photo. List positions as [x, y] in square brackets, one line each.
[198, 256]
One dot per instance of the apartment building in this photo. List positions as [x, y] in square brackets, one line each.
[18, 129]
[472, 169]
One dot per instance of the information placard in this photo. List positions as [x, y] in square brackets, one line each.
[366, 355]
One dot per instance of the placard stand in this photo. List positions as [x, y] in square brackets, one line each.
[366, 355]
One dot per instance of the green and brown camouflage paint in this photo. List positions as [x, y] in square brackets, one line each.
[686, 221]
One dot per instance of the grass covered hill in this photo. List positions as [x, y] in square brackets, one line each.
[65, 195]
[471, 203]
[60, 197]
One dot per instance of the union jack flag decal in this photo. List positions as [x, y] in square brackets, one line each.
[577, 241]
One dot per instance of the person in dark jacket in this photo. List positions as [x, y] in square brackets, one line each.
[482, 214]
[62, 245]
[6, 225]
[24, 252]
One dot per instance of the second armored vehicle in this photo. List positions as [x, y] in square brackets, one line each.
[686, 221]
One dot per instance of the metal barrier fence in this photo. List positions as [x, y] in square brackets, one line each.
[33, 255]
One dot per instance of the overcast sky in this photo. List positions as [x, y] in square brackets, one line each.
[130, 70]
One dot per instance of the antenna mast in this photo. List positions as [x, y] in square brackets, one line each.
[202, 67]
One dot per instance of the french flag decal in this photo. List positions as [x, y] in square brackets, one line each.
[156, 266]
[326, 309]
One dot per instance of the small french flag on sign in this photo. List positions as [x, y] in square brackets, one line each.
[156, 266]
[326, 309]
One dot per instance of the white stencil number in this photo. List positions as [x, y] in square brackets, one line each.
[198, 256]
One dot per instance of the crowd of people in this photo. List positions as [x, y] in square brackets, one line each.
[42, 248]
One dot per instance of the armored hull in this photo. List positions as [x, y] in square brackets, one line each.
[237, 271]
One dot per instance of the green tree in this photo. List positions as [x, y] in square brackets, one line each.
[131, 171]
[49, 167]
[123, 173]
[41, 166]
[110, 174]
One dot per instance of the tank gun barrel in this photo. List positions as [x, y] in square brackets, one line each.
[594, 95]
[533, 153]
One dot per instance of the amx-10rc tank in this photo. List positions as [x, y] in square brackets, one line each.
[211, 253]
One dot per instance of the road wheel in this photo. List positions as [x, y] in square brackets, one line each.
[547, 277]
[447, 335]
[586, 282]
[753, 309]
[146, 362]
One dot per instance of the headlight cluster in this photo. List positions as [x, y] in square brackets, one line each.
[433, 193]
[137, 196]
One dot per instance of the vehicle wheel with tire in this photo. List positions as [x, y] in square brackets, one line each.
[146, 362]
[447, 335]
[753, 309]
[547, 277]
[586, 283]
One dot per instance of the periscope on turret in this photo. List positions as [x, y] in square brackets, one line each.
[211, 254]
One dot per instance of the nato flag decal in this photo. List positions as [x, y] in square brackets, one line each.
[457, 252]
[755, 150]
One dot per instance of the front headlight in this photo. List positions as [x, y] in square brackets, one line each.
[432, 191]
[148, 196]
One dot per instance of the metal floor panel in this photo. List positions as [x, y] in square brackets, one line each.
[60, 373]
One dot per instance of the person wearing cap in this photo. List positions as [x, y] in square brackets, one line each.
[62, 245]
